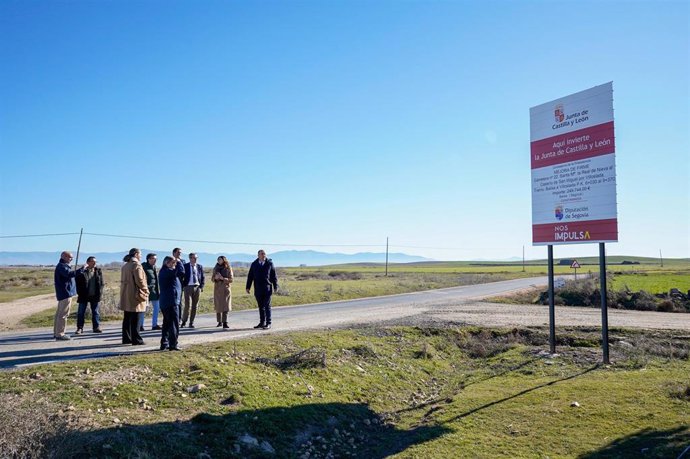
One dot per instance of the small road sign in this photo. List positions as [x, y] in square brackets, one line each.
[575, 264]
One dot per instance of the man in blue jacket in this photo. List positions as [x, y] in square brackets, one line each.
[65, 289]
[263, 274]
[170, 293]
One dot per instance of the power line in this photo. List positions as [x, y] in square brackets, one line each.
[37, 235]
[267, 244]
[446, 248]
[229, 242]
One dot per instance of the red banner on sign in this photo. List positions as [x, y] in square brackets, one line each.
[576, 232]
[584, 143]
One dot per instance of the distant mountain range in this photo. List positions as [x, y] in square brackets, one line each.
[284, 258]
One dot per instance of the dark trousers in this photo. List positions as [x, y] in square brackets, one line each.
[264, 302]
[130, 328]
[95, 314]
[171, 326]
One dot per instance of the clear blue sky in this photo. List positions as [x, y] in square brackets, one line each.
[329, 122]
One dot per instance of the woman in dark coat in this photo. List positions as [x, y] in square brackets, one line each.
[170, 290]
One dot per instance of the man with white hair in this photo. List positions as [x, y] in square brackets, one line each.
[65, 289]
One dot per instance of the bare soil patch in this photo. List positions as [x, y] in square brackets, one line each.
[13, 312]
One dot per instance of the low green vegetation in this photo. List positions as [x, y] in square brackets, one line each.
[16, 283]
[306, 285]
[651, 281]
[372, 392]
[645, 291]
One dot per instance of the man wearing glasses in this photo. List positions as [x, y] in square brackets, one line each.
[65, 289]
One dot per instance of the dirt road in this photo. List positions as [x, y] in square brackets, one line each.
[13, 312]
[461, 305]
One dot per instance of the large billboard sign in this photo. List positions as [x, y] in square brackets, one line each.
[574, 169]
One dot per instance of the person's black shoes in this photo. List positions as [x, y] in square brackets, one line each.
[183, 324]
[260, 326]
[176, 348]
[191, 326]
[225, 325]
[219, 324]
[141, 329]
[157, 327]
[97, 330]
[266, 327]
[79, 331]
[164, 347]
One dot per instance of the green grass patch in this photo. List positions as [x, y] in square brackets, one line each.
[374, 392]
[653, 281]
[16, 283]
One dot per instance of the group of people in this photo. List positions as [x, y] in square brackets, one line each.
[142, 283]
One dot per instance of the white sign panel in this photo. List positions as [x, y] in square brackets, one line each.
[574, 169]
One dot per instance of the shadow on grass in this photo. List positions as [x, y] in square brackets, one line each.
[341, 429]
[521, 393]
[647, 443]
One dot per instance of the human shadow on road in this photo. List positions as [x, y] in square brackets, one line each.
[670, 443]
[32, 356]
[341, 429]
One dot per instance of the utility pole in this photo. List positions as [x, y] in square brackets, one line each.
[661, 258]
[386, 256]
[76, 260]
[523, 258]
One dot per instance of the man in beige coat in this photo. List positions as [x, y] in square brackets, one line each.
[134, 293]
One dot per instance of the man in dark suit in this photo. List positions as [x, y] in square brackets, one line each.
[179, 272]
[263, 274]
[193, 285]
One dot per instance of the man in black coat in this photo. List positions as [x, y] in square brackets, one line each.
[89, 290]
[263, 274]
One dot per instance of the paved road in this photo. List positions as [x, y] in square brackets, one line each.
[459, 304]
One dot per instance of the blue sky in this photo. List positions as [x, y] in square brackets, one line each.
[329, 124]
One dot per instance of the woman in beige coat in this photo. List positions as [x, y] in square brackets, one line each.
[134, 293]
[222, 295]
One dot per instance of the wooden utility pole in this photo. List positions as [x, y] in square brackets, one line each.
[76, 260]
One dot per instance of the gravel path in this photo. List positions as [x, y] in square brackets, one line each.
[457, 305]
[13, 312]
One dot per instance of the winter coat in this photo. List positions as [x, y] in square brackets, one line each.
[151, 280]
[170, 288]
[83, 286]
[222, 294]
[64, 281]
[134, 291]
[263, 277]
